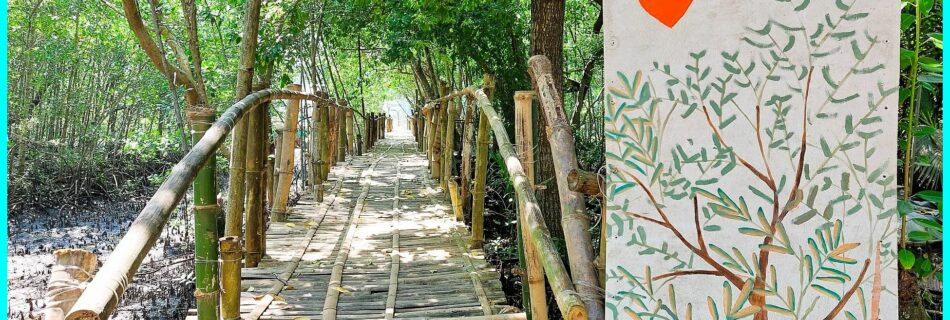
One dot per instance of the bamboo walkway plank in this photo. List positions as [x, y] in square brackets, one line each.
[384, 244]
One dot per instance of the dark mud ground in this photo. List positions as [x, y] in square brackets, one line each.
[160, 290]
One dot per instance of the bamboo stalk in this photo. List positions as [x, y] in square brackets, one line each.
[568, 300]
[324, 140]
[255, 199]
[351, 137]
[524, 140]
[574, 219]
[332, 136]
[286, 164]
[448, 143]
[467, 137]
[106, 288]
[341, 133]
[481, 174]
[275, 171]
[206, 224]
[436, 145]
[230, 247]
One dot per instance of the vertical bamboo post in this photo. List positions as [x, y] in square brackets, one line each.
[341, 132]
[430, 135]
[324, 140]
[287, 158]
[481, 174]
[524, 142]
[468, 130]
[574, 217]
[448, 143]
[254, 206]
[456, 202]
[230, 247]
[437, 133]
[332, 136]
[275, 171]
[206, 223]
[351, 137]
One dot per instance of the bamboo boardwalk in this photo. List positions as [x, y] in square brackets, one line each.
[384, 244]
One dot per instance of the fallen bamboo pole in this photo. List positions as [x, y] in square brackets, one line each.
[568, 300]
[574, 219]
[524, 141]
[286, 165]
[102, 294]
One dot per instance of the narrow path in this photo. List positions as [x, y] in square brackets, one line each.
[383, 245]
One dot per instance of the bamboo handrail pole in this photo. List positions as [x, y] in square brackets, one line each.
[275, 171]
[568, 300]
[437, 132]
[456, 201]
[102, 294]
[574, 219]
[350, 134]
[72, 268]
[524, 141]
[341, 133]
[286, 165]
[324, 140]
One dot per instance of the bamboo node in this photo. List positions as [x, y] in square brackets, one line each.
[201, 295]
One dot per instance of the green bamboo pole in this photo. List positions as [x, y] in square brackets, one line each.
[481, 174]
[325, 140]
[230, 277]
[206, 224]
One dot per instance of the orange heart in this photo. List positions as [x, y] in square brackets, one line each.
[669, 12]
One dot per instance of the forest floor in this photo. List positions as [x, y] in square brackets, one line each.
[162, 288]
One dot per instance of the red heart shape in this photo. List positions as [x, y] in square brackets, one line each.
[669, 12]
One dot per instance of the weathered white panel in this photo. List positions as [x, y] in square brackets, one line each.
[717, 207]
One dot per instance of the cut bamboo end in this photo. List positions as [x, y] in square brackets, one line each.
[72, 269]
[585, 182]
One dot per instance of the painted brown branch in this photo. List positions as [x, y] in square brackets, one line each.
[804, 146]
[699, 229]
[768, 181]
[687, 273]
[758, 137]
[847, 296]
[703, 253]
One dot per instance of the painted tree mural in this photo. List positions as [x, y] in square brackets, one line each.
[751, 167]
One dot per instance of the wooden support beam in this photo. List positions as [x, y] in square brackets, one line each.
[481, 175]
[468, 131]
[448, 146]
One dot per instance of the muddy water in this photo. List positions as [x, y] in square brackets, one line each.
[162, 289]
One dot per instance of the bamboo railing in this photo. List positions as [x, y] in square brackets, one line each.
[102, 294]
[433, 126]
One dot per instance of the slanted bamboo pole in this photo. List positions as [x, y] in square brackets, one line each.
[71, 270]
[574, 219]
[286, 165]
[254, 206]
[230, 247]
[106, 288]
[449, 143]
[481, 175]
[569, 302]
[524, 141]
